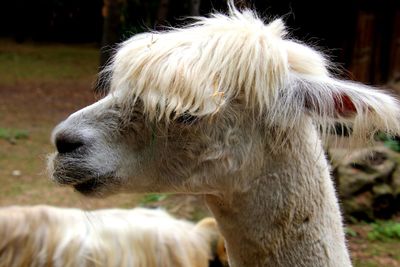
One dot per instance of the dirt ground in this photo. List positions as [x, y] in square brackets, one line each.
[33, 106]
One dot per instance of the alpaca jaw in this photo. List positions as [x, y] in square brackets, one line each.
[88, 180]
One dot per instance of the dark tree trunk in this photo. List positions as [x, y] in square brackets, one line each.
[111, 29]
[111, 12]
[148, 13]
[195, 7]
[162, 13]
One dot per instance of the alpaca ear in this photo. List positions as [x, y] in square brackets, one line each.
[354, 104]
[343, 106]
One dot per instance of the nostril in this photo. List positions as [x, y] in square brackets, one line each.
[66, 144]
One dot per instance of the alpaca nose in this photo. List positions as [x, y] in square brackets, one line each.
[67, 143]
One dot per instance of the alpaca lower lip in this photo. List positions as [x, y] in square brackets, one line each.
[87, 186]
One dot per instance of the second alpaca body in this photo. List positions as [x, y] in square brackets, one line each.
[45, 236]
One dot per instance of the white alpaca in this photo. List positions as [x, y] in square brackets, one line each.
[231, 109]
[42, 236]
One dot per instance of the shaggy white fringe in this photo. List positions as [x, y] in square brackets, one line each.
[201, 68]
[59, 237]
[197, 68]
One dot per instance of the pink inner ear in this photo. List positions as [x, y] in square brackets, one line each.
[344, 106]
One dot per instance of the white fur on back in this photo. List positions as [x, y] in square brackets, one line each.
[58, 237]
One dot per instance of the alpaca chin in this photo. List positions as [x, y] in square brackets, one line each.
[68, 171]
[93, 188]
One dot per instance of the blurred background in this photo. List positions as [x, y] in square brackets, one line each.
[51, 50]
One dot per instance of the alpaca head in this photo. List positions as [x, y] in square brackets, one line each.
[194, 109]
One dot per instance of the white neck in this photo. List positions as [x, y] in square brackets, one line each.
[289, 216]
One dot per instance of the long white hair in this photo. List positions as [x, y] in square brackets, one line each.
[42, 236]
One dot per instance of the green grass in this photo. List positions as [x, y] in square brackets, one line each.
[350, 232]
[45, 63]
[375, 245]
[16, 189]
[388, 141]
[365, 263]
[11, 135]
[385, 231]
[151, 198]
